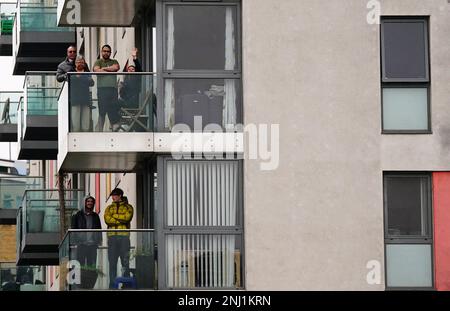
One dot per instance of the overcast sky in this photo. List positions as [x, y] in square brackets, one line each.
[8, 82]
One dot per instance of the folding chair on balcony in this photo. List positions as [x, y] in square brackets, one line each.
[132, 119]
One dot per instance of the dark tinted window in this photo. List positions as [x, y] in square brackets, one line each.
[217, 101]
[201, 37]
[405, 45]
[407, 205]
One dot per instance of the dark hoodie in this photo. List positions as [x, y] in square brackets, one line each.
[81, 220]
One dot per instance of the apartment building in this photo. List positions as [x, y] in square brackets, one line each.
[326, 169]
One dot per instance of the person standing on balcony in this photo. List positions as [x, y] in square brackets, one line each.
[130, 87]
[68, 65]
[87, 242]
[107, 90]
[80, 98]
[118, 215]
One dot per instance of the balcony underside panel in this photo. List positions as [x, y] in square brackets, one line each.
[45, 44]
[8, 216]
[96, 162]
[8, 132]
[38, 259]
[41, 128]
[41, 243]
[24, 64]
[117, 13]
[38, 150]
[5, 45]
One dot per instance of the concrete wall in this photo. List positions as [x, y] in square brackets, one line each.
[313, 66]
[425, 152]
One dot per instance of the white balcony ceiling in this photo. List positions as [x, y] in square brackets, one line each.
[98, 12]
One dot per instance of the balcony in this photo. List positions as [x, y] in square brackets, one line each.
[38, 117]
[99, 273]
[7, 11]
[88, 144]
[9, 103]
[38, 43]
[100, 13]
[39, 223]
[12, 189]
[21, 278]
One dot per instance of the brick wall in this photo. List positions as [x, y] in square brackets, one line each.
[8, 243]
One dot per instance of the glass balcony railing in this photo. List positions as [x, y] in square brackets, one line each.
[126, 102]
[9, 102]
[21, 278]
[19, 233]
[41, 208]
[92, 256]
[13, 188]
[7, 11]
[37, 16]
[41, 93]
[21, 119]
[104, 102]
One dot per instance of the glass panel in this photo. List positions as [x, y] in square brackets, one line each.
[21, 118]
[408, 265]
[408, 205]
[21, 278]
[9, 102]
[405, 109]
[19, 232]
[39, 17]
[203, 261]
[12, 189]
[209, 101]
[112, 102]
[42, 209]
[201, 37]
[202, 193]
[7, 11]
[42, 91]
[405, 50]
[94, 259]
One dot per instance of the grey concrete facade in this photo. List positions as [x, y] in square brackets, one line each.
[313, 66]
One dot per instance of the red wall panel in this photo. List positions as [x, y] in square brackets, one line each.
[441, 210]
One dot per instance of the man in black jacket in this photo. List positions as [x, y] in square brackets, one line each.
[87, 241]
[68, 65]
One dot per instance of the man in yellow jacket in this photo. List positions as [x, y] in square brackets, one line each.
[118, 215]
